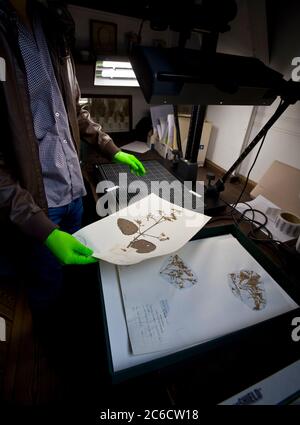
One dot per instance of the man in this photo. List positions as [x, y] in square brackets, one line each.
[41, 185]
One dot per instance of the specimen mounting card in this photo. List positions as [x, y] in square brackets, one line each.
[207, 289]
[148, 228]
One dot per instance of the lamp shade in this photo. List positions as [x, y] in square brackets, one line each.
[186, 76]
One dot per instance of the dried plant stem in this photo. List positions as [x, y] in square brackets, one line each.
[146, 230]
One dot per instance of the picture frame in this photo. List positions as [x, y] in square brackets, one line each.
[103, 37]
[112, 112]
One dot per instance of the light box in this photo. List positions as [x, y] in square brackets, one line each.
[116, 73]
[123, 365]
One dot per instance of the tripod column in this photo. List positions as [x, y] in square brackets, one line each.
[195, 132]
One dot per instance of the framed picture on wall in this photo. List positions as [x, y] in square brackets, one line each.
[103, 37]
[113, 112]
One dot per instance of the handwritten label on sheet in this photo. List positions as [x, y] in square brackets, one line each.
[148, 322]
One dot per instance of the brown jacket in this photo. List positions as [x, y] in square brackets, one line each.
[22, 195]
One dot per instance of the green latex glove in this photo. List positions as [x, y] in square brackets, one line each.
[68, 249]
[136, 167]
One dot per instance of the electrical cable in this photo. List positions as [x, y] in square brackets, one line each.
[233, 210]
[254, 162]
[256, 225]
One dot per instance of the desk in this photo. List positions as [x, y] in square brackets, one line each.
[216, 374]
[231, 193]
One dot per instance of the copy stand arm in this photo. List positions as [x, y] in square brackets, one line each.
[195, 131]
[187, 169]
[220, 184]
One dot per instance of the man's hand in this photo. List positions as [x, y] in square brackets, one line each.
[136, 167]
[67, 249]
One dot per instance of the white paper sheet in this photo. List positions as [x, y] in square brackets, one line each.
[2, 329]
[122, 357]
[139, 147]
[162, 315]
[263, 204]
[148, 228]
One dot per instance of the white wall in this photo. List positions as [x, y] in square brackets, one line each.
[230, 122]
[85, 73]
[283, 140]
[228, 132]
[246, 37]
[237, 41]
[85, 76]
[83, 15]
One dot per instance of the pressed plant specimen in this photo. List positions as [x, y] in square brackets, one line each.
[141, 227]
[176, 272]
[247, 285]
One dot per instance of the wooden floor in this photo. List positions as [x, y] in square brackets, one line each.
[65, 362]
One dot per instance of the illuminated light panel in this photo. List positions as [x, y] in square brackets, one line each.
[114, 73]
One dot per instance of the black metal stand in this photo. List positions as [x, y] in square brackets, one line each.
[187, 168]
[195, 131]
[178, 137]
[186, 171]
[290, 94]
[220, 184]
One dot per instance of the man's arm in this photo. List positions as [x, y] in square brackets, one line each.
[20, 206]
[32, 220]
[91, 132]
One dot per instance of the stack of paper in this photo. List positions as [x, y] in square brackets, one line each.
[139, 147]
[164, 126]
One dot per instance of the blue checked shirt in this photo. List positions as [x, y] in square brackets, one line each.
[59, 160]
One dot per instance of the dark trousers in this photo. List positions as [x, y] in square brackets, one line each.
[44, 270]
[33, 263]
